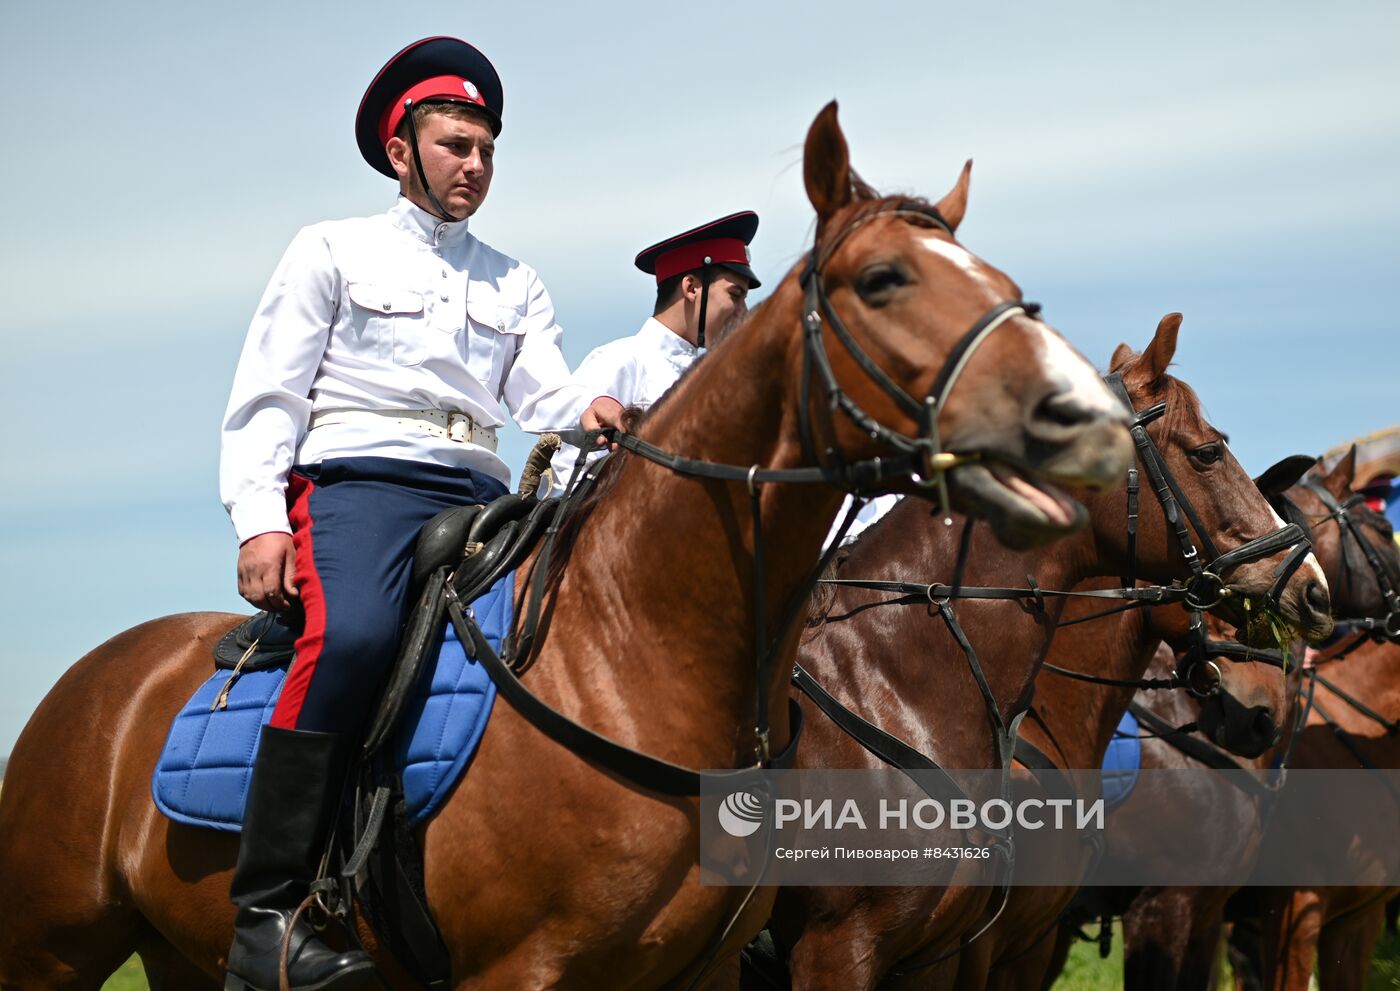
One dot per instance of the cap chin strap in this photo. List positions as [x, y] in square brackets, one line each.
[438, 208]
[704, 299]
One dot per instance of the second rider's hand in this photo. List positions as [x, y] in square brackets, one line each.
[605, 411]
[266, 567]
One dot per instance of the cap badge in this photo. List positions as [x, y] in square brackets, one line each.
[471, 89]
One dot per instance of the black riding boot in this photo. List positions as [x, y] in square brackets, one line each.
[295, 792]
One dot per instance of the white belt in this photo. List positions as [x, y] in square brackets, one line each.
[458, 427]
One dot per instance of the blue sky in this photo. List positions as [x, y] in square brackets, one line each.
[1240, 163]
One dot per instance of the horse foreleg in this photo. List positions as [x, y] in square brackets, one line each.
[1029, 969]
[1155, 938]
[1055, 961]
[1170, 938]
[68, 924]
[1345, 947]
[1291, 922]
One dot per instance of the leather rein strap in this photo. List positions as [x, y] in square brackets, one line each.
[650, 772]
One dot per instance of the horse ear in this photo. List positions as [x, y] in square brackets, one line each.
[826, 165]
[1339, 480]
[1122, 354]
[953, 207]
[1160, 352]
[1283, 476]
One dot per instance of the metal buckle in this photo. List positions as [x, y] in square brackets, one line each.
[459, 427]
[1206, 689]
[1214, 586]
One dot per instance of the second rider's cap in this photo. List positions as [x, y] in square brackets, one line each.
[723, 242]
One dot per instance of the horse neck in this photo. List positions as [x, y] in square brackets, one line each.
[1120, 647]
[688, 576]
[905, 648]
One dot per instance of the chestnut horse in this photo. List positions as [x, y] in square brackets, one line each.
[1248, 703]
[543, 869]
[1246, 706]
[1338, 926]
[1171, 934]
[895, 663]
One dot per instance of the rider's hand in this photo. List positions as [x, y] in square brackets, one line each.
[266, 566]
[605, 411]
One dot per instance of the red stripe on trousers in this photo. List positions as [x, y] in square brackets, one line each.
[313, 603]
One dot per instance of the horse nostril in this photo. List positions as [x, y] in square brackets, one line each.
[1263, 725]
[1063, 409]
[1317, 598]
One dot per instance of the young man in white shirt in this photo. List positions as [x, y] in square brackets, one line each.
[382, 357]
[703, 280]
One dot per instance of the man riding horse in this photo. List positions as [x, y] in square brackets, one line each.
[379, 363]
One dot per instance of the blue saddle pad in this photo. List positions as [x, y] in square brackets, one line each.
[202, 775]
[1122, 762]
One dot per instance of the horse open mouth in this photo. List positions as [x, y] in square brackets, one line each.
[1023, 510]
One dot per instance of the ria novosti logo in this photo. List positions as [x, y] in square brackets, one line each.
[741, 813]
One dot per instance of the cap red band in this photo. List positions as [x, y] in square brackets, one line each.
[454, 88]
[691, 256]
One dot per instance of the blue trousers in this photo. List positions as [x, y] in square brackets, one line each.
[354, 524]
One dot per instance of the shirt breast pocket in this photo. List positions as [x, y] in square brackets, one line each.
[494, 329]
[391, 320]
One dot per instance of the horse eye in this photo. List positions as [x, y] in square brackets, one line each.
[1208, 454]
[878, 282]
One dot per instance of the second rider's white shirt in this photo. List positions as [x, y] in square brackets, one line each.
[633, 370]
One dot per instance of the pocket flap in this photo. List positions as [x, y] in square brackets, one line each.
[385, 299]
[489, 309]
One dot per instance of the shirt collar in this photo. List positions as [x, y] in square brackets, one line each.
[666, 340]
[423, 225]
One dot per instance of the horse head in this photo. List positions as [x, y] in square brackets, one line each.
[1211, 493]
[1354, 544]
[936, 345]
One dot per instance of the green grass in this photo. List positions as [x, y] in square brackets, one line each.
[1084, 971]
[130, 978]
[1385, 965]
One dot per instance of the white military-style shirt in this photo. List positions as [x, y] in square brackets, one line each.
[396, 311]
[871, 513]
[633, 370]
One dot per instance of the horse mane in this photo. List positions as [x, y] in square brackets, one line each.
[823, 597]
[604, 479]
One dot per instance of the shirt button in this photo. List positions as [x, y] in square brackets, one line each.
[386, 306]
[443, 298]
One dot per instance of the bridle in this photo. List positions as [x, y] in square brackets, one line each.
[1206, 588]
[922, 456]
[1386, 581]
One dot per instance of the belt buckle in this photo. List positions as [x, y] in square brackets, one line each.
[459, 427]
